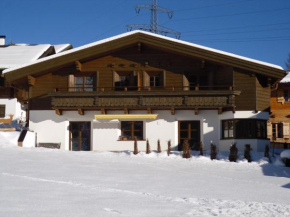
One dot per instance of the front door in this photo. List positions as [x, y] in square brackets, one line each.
[189, 130]
[80, 136]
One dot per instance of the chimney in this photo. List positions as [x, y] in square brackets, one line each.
[2, 40]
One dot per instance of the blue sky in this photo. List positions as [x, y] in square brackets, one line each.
[258, 29]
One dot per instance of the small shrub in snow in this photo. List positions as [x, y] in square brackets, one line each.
[158, 146]
[148, 151]
[247, 153]
[135, 146]
[186, 150]
[267, 149]
[233, 153]
[201, 148]
[213, 151]
[169, 147]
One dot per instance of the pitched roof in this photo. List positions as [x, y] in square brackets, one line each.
[15, 55]
[119, 41]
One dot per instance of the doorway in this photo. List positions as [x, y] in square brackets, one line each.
[189, 130]
[80, 136]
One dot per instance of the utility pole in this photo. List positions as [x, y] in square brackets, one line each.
[154, 27]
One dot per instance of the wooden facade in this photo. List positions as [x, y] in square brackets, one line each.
[278, 124]
[184, 82]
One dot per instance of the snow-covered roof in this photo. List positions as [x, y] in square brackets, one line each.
[145, 33]
[286, 79]
[19, 54]
[62, 47]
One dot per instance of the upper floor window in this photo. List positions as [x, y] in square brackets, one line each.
[84, 83]
[277, 130]
[287, 95]
[244, 129]
[2, 111]
[154, 81]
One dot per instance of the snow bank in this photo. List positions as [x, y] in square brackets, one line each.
[285, 154]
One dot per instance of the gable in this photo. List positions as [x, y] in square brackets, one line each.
[111, 45]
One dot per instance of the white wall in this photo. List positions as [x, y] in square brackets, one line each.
[54, 128]
[12, 106]
[29, 140]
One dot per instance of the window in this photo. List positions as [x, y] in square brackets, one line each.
[2, 111]
[286, 95]
[244, 129]
[228, 129]
[277, 130]
[154, 81]
[84, 83]
[132, 129]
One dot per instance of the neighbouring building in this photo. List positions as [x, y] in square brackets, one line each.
[278, 124]
[102, 95]
[13, 55]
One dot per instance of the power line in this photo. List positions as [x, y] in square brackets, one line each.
[241, 27]
[227, 33]
[227, 15]
[217, 5]
[284, 38]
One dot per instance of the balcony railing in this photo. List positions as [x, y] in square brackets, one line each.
[145, 88]
[161, 97]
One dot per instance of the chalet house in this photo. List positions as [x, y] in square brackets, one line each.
[102, 95]
[278, 124]
[13, 55]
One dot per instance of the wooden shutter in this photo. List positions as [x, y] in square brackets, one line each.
[185, 83]
[146, 79]
[116, 77]
[2, 111]
[280, 96]
[286, 130]
[269, 130]
[71, 83]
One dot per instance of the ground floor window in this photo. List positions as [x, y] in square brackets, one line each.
[132, 129]
[244, 129]
[2, 111]
[277, 130]
[189, 130]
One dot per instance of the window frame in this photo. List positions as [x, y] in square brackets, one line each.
[132, 130]
[245, 129]
[2, 111]
[276, 133]
[83, 85]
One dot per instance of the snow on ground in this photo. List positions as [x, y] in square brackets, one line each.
[45, 182]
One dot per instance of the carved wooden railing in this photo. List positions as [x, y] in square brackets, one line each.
[142, 99]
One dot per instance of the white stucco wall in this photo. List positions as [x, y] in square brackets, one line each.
[12, 106]
[104, 134]
[29, 140]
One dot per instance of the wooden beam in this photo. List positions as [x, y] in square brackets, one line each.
[196, 111]
[126, 111]
[149, 111]
[234, 109]
[78, 66]
[58, 111]
[103, 111]
[172, 111]
[81, 111]
[139, 47]
[220, 110]
[31, 80]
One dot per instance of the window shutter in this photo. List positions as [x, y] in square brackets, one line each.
[71, 83]
[185, 83]
[269, 130]
[286, 130]
[280, 96]
[116, 77]
[146, 79]
[162, 77]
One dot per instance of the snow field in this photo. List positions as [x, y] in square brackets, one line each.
[46, 182]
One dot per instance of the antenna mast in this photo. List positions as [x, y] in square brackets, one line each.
[154, 27]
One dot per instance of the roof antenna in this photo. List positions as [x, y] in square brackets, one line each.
[154, 27]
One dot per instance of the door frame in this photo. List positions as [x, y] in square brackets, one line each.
[197, 121]
[70, 133]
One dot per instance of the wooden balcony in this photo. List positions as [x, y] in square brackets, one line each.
[142, 98]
